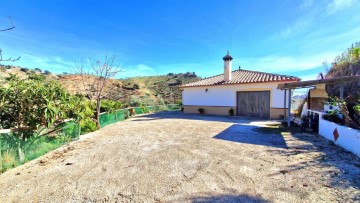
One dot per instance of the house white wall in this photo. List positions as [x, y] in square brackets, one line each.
[225, 95]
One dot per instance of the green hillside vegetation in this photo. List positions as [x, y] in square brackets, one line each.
[346, 64]
[163, 88]
[136, 91]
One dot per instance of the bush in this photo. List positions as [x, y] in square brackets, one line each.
[136, 86]
[110, 106]
[201, 110]
[24, 70]
[87, 125]
[38, 70]
[179, 102]
[349, 109]
[46, 72]
[37, 77]
[22, 106]
[231, 112]
[333, 116]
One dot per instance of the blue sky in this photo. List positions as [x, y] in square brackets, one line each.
[157, 37]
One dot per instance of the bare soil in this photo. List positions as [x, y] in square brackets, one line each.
[173, 157]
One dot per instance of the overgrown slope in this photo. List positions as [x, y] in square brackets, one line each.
[165, 86]
[346, 64]
[131, 91]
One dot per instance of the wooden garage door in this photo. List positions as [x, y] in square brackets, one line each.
[255, 104]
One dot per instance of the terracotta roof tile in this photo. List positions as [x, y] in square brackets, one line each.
[242, 76]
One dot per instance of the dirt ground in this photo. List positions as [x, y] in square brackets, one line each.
[172, 157]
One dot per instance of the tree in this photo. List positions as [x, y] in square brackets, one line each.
[12, 26]
[28, 104]
[94, 79]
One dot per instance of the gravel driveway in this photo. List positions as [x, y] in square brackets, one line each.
[174, 157]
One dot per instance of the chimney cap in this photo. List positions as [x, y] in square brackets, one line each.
[227, 57]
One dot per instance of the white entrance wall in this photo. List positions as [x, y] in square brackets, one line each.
[348, 138]
[225, 95]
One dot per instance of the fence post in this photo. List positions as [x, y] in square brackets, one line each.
[1, 162]
[79, 130]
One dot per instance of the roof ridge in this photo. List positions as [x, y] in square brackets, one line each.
[263, 72]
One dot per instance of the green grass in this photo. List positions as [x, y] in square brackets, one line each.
[33, 147]
[41, 146]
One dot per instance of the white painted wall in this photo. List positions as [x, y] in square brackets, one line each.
[225, 95]
[348, 138]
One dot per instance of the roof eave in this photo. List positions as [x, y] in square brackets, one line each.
[282, 81]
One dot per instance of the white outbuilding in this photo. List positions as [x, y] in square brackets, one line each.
[248, 93]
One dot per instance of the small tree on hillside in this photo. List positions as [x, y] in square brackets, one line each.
[94, 79]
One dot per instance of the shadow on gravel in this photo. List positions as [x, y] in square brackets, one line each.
[338, 165]
[253, 135]
[227, 198]
[203, 117]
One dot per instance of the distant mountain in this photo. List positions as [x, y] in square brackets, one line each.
[303, 96]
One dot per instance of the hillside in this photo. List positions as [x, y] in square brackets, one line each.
[130, 91]
[165, 86]
[346, 64]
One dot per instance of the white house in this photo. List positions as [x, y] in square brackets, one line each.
[249, 93]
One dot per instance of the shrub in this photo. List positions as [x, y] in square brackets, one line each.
[179, 102]
[22, 106]
[201, 110]
[24, 70]
[136, 86]
[87, 125]
[231, 112]
[349, 109]
[63, 138]
[37, 77]
[110, 106]
[46, 72]
[9, 159]
[38, 70]
[333, 116]
[134, 101]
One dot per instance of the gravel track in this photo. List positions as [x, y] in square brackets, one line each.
[175, 157]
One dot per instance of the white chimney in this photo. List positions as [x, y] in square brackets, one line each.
[227, 67]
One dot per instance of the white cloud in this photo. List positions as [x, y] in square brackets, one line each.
[137, 70]
[338, 5]
[300, 25]
[52, 63]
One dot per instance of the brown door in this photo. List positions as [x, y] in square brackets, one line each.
[256, 104]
